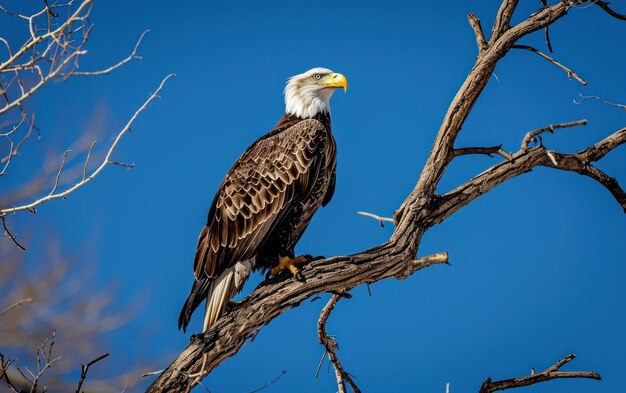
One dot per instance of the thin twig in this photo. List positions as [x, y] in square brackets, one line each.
[8, 161]
[4, 368]
[16, 305]
[381, 220]
[56, 181]
[16, 127]
[600, 99]
[8, 233]
[570, 74]
[266, 384]
[85, 369]
[531, 135]
[87, 160]
[151, 373]
[107, 71]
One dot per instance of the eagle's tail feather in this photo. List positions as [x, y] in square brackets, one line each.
[197, 295]
[223, 288]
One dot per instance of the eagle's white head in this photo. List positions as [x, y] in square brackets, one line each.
[308, 94]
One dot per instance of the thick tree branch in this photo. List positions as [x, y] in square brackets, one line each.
[503, 18]
[552, 372]
[501, 41]
[206, 351]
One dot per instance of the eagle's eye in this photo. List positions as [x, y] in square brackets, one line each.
[317, 76]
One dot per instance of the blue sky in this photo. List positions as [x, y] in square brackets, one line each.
[537, 264]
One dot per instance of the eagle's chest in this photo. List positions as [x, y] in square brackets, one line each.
[301, 213]
[304, 211]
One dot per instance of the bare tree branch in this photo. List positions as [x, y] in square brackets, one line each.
[274, 297]
[52, 52]
[522, 162]
[8, 233]
[532, 135]
[489, 151]
[85, 370]
[64, 299]
[478, 32]
[605, 6]
[600, 99]
[106, 162]
[81, 13]
[570, 74]
[546, 30]
[269, 383]
[552, 372]
[503, 18]
[133, 55]
[16, 305]
[381, 220]
[332, 346]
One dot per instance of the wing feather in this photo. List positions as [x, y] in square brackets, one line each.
[276, 171]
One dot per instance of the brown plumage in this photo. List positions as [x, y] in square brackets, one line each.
[267, 199]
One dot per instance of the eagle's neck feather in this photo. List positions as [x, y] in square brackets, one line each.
[306, 101]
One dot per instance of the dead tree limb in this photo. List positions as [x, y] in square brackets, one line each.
[532, 135]
[331, 346]
[85, 369]
[421, 210]
[553, 372]
[570, 74]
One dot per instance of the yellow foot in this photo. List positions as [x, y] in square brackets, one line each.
[286, 263]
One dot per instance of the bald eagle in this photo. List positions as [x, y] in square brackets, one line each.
[268, 198]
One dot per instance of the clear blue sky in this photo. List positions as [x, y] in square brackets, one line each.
[538, 264]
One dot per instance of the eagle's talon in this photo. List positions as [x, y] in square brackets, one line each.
[299, 276]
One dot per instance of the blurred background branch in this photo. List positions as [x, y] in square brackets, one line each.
[54, 315]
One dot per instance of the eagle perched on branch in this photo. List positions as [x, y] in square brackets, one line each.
[268, 198]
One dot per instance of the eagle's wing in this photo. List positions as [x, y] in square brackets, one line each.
[277, 171]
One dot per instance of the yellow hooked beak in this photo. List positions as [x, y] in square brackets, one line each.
[335, 80]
